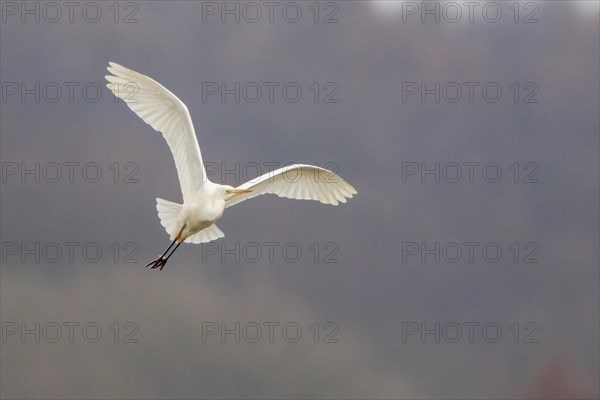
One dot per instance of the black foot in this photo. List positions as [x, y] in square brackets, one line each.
[159, 262]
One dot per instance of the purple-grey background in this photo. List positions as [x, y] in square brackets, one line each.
[374, 291]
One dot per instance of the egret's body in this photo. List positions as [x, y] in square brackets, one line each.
[204, 201]
[202, 210]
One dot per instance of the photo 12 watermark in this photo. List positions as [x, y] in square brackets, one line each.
[252, 171]
[270, 92]
[470, 92]
[29, 172]
[253, 12]
[270, 252]
[54, 12]
[68, 252]
[269, 332]
[69, 332]
[454, 12]
[469, 332]
[470, 172]
[72, 91]
[453, 252]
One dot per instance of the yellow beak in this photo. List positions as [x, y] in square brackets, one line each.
[240, 191]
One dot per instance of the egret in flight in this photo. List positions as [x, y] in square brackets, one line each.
[204, 201]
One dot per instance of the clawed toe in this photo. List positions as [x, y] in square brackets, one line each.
[159, 262]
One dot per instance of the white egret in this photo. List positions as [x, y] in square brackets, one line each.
[204, 201]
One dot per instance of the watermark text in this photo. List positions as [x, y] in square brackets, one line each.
[269, 332]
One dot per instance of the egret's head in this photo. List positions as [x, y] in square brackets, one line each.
[230, 192]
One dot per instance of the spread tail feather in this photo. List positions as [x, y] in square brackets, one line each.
[206, 235]
[168, 212]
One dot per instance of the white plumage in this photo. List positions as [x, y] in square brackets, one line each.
[300, 182]
[204, 201]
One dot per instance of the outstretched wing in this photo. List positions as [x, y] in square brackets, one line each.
[299, 181]
[162, 110]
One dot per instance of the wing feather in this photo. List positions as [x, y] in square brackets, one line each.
[162, 110]
[299, 181]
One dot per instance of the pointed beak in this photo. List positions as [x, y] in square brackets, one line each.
[240, 191]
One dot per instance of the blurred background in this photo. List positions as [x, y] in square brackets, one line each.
[377, 298]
